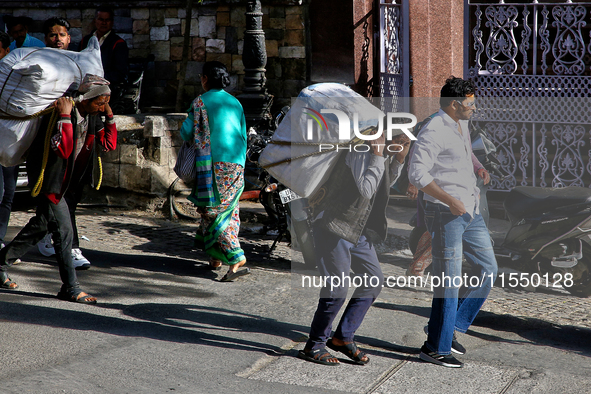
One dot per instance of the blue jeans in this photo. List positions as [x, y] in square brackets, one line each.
[452, 237]
[337, 257]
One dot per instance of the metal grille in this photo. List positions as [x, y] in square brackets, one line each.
[530, 64]
[394, 59]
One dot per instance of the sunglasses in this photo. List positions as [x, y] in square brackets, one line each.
[472, 104]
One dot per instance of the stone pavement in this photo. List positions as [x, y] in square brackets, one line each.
[164, 323]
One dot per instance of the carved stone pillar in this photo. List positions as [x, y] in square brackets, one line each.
[255, 99]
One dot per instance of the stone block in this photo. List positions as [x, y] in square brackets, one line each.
[183, 13]
[294, 21]
[225, 58]
[198, 49]
[130, 154]
[88, 14]
[274, 34]
[223, 8]
[240, 47]
[112, 156]
[159, 33]
[238, 17]
[207, 11]
[161, 178]
[274, 70]
[156, 17]
[161, 50]
[194, 27]
[207, 26]
[231, 40]
[221, 32]
[123, 24]
[215, 46]
[223, 19]
[265, 21]
[75, 24]
[141, 41]
[166, 70]
[176, 52]
[294, 10]
[42, 14]
[293, 68]
[75, 37]
[277, 12]
[175, 30]
[277, 23]
[135, 178]
[171, 21]
[275, 87]
[141, 53]
[141, 26]
[73, 14]
[294, 38]
[272, 48]
[140, 13]
[171, 13]
[193, 70]
[291, 88]
[111, 175]
[154, 126]
[292, 52]
[237, 65]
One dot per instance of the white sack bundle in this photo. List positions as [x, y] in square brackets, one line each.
[303, 168]
[30, 80]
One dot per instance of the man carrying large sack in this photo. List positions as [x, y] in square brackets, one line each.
[53, 164]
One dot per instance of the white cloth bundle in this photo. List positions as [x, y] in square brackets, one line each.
[30, 80]
[305, 175]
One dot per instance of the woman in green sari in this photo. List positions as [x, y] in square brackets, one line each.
[217, 125]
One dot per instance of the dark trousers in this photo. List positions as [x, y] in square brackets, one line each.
[8, 179]
[49, 218]
[337, 257]
[73, 196]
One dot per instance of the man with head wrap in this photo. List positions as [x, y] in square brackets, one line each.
[72, 148]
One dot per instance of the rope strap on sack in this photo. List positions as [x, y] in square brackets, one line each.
[100, 180]
[52, 121]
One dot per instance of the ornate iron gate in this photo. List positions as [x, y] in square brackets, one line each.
[394, 53]
[530, 63]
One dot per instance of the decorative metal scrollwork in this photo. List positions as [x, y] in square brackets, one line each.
[525, 35]
[567, 166]
[392, 43]
[501, 47]
[503, 135]
[568, 47]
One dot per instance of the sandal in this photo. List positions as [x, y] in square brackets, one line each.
[350, 350]
[82, 299]
[230, 276]
[215, 265]
[8, 284]
[319, 356]
[5, 281]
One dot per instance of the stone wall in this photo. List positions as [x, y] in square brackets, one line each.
[217, 33]
[147, 146]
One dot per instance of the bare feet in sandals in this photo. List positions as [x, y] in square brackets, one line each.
[215, 265]
[8, 284]
[235, 272]
[81, 297]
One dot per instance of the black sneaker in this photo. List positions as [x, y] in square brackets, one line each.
[456, 347]
[439, 359]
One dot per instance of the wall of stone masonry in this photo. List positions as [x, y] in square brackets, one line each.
[217, 33]
[146, 152]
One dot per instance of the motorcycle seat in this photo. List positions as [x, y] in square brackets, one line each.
[524, 201]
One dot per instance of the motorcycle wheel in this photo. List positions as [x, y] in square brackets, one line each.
[179, 204]
[582, 286]
[415, 236]
[303, 236]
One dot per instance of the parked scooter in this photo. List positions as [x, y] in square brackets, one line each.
[549, 241]
[285, 209]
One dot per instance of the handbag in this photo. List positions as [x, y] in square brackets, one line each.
[185, 166]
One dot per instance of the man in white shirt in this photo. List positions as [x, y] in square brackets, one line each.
[441, 165]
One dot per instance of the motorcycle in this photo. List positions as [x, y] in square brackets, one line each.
[286, 211]
[549, 239]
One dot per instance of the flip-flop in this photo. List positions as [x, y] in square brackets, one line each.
[350, 351]
[8, 284]
[74, 298]
[318, 356]
[230, 276]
